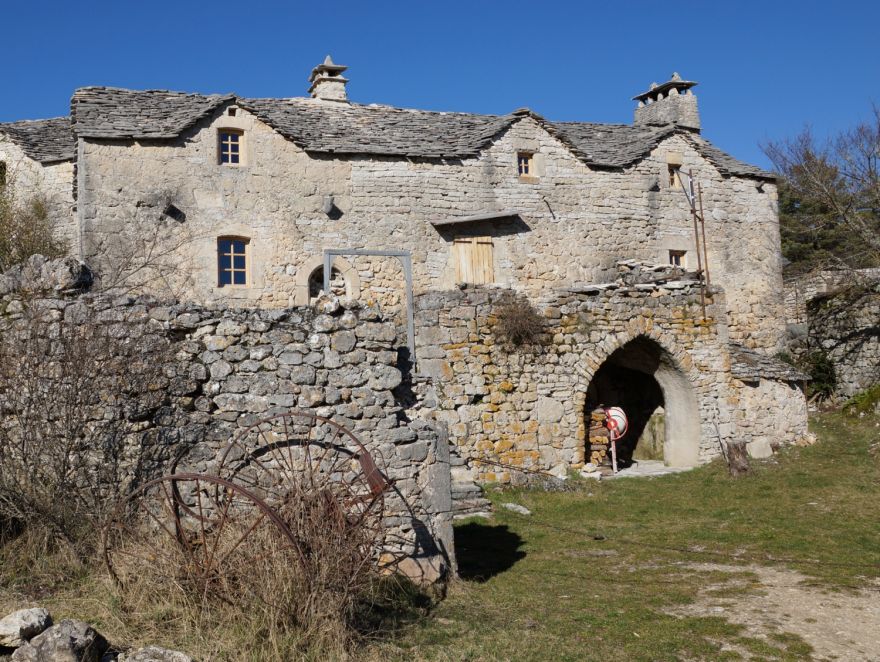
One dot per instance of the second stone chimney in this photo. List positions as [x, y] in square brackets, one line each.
[327, 81]
[671, 102]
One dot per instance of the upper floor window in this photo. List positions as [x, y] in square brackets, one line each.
[674, 175]
[525, 163]
[231, 141]
[474, 263]
[676, 258]
[2, 173]
[232, 255]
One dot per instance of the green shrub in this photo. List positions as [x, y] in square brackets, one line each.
[865, 402]
[25, 230]
[823, 376]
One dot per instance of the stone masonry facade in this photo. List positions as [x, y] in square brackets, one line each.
[838, 313]
[226, 368]
[511, 410]
[488, 206]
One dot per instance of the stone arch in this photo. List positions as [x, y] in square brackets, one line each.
[340, 265]
[645, 355]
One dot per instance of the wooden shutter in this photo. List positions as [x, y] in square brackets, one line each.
[473, 260]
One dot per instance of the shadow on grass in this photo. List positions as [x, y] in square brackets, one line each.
[485, 550]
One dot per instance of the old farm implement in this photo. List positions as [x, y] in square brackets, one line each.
[278, 491]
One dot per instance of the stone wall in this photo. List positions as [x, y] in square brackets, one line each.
[838, 313]
[227, 368]
[54, 181]
[511, 409]
[574, 222]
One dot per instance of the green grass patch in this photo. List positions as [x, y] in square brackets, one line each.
[601, 572]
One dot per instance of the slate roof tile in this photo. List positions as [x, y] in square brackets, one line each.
[748, 365]
[46, 141]
[348, 128]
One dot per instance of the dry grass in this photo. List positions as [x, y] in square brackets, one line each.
[519, 324]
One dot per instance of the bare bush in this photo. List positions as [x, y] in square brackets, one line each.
[74, 395]
[518, 323]
[215, 559]
[830, 198]
[25, 230]
[147, 252]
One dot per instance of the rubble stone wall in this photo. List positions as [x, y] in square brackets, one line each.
[53, 181]
[509, 409]
[838, 313]
[573, 222]
[228, 368]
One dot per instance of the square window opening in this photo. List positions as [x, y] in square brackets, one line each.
[474, 260]
[677, 258]
[525, 163]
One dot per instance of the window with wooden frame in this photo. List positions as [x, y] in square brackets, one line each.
[676, 258]
[230, 146]
[473, 260]
[674, 175]
[232, 261]
[525, 164]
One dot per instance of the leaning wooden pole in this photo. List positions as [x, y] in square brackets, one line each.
[693, 205]
[703, 228]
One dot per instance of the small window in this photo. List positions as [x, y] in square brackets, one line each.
[674, 176]
[232, 261]
[2, 173]
[231, 111]
[676, 258]
[230, 146]
[525, 164]
[473, 260]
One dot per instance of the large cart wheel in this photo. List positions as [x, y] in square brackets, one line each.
[201, 533]
[306, 466]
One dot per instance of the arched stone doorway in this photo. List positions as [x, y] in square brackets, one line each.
[658, 398]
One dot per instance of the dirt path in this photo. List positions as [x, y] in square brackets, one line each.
[839, 626]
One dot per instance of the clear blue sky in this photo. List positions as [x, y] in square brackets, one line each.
[765, 68]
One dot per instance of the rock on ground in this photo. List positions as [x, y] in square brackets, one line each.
[154, 654]
[515, 507]
[69, 641]
[19, 627]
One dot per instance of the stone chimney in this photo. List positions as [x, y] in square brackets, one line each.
[669, 103]
[327, 81]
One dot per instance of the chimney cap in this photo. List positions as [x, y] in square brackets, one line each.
[327, 68]
[674, 82]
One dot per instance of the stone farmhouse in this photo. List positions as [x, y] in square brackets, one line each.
[232, 201]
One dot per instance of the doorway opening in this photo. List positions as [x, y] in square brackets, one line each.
[658, 399]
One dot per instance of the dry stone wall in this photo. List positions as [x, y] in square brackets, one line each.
[513, 409]
[228, 368]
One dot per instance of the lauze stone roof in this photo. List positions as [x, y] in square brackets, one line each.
[46, 141]
[348, 128]
[749, 365]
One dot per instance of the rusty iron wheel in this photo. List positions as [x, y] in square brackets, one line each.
[176, 529]
[296, 456]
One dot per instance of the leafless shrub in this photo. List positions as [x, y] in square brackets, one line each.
[830, 211]
[25, 230]
[148, 252]
[299, 600]
[518, 323]
[74, 395]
